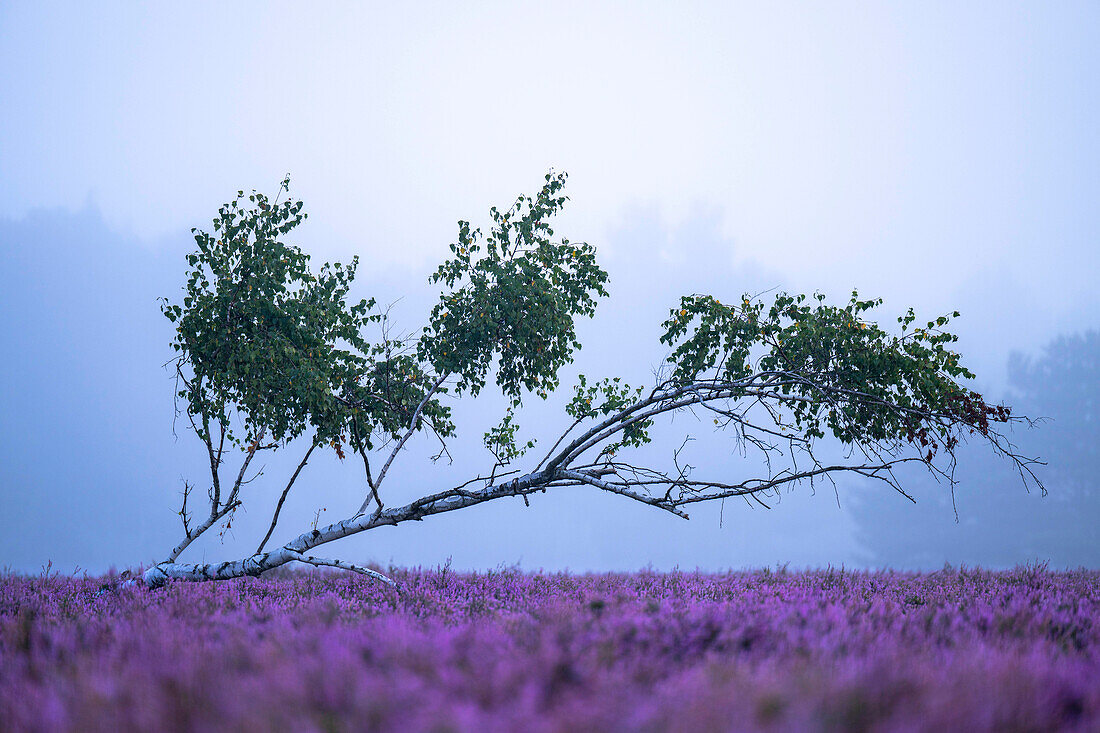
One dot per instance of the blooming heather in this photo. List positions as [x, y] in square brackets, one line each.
[824, 650]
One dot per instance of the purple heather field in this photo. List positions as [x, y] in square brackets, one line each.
[957, 649]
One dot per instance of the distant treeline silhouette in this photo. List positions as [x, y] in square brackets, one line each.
[999, 524]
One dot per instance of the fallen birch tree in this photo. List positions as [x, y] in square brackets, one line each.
[269, 351]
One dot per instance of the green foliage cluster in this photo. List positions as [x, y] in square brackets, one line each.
[262, 335]
[501, 440]
[839, 372]
[511, 299]
[609, 397]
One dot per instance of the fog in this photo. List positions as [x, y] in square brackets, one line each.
[942, 159]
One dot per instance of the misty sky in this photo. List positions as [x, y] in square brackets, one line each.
[939, 155]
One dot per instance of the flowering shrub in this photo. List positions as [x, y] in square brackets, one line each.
[822, 650]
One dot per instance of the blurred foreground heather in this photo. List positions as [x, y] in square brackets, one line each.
[823, 650]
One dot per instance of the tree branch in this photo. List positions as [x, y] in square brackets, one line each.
[324, 562]
[197, 531]
[249, 455]
[282, 498]
[401, 443]
[585, 478]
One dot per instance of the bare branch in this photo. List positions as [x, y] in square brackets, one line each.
[215, 460]
[585, 478]
[325, 562]
[184, 515]
[753, 486]
[200, 529]
[561, 437]
[249, 455]
[282, 498]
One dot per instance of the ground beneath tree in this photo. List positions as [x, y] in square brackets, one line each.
[823, 650]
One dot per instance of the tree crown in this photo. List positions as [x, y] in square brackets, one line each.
[262, 335]
[842, 373]
[512, 296]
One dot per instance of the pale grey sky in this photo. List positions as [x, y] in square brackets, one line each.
[941, 155]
